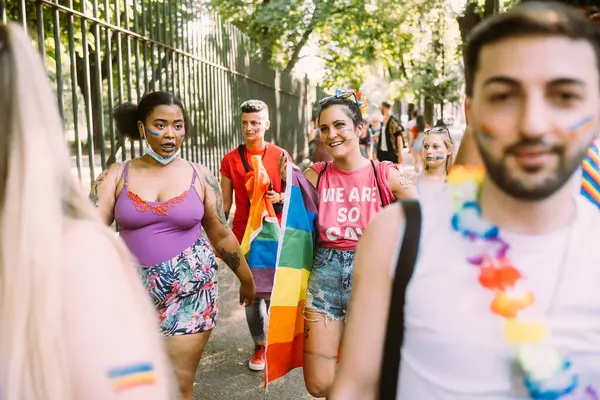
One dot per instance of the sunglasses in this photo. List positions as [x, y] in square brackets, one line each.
[350, 96]
[440, 130]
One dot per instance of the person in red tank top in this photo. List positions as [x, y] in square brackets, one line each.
[234, 168]
[352, 190]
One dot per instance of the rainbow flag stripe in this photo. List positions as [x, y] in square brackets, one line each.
[590, 185]
[132, 376]
[285, 338]
[260, 241]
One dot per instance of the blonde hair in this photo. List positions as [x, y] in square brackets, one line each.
[38, 197]
[444, 134]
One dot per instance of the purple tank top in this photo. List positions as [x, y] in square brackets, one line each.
[158, 231]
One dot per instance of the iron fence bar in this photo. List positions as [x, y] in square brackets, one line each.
[109, 83]
[191, 148]
[22, 16]
[128, 79]
[99, 123]
[167, 52]
[221, 89]
[186, 75]
[120, 88]
[87, 94]
[40, 30]
[74, 85]
[62, 8]
[3, 17]
[58, 59]
[197, 100]
[137, 65]
[229, 104]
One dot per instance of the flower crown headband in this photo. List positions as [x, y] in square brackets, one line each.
[350, 95]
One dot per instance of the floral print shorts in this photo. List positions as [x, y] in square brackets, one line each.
[184, 290]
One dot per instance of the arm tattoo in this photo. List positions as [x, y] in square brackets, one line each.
[231, 258]
[404, 181]
[94, 191]
[214, 185]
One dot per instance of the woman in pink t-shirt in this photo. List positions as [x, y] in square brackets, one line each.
[352, 189]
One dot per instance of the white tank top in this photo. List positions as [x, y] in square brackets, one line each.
[454, 347]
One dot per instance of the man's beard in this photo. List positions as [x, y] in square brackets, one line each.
[501, 175]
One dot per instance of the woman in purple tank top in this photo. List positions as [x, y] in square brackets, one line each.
[161, 203]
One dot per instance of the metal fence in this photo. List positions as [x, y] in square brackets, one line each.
[100, 53]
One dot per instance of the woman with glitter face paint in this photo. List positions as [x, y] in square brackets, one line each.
[438, 153]
[352, 190]
[170, 215]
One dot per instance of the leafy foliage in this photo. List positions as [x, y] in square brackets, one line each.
[353, 36]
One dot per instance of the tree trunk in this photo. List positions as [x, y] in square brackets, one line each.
[296, 54]
[411, 108]
[467, 22]
[428, 110]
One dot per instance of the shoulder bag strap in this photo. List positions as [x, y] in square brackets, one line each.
[321, 174]
[394, 335]
[242, 151]
[377, 182]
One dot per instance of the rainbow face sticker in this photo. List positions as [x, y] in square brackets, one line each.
[485, 131]
[582, 126]
[433, 158]
[131, 376]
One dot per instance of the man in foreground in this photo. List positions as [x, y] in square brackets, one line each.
[503, 301]
[590, 187]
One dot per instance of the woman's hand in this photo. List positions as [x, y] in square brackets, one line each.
[247, 292]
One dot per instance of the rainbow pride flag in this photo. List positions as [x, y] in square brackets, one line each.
[260, 241]
[285, 337]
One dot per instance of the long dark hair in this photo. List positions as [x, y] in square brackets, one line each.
[127, 115]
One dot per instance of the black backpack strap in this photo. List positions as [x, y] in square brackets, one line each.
[321, 174]
[394, 335]
[377, 182]
[242, 151]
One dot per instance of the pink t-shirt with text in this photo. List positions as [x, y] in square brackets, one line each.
[348, 201]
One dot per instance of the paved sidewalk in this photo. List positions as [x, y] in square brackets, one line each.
[223, 373]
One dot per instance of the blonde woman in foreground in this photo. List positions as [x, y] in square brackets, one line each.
[76, 321]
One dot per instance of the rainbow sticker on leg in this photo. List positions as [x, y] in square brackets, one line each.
[582, 126]
[131, 376]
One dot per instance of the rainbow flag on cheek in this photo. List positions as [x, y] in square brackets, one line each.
[285, 337]
[260, 241]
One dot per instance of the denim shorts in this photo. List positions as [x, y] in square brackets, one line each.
[329, 283]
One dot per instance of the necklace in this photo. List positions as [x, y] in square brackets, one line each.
[547, 374]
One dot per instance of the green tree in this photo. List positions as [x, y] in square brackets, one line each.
[282, 27]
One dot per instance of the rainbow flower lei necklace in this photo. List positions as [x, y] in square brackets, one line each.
[547, 374]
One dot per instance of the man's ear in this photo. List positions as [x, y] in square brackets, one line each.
[267, 124]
